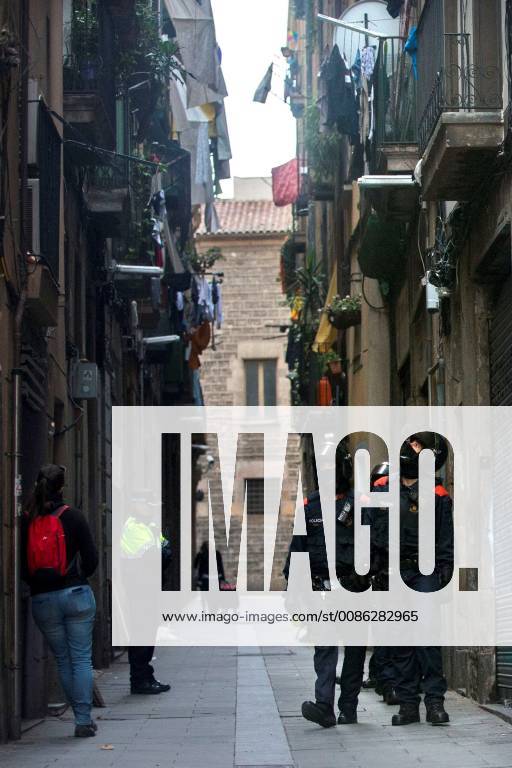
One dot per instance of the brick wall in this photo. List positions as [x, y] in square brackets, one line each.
[252, 301]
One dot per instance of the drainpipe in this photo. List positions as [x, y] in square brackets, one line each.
[16, 659]
[16, 651]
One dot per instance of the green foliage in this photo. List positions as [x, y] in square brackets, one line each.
[345, 304]
[203, 262]
[323, 148]
[84, 32]
[309, 285]
[149, 54]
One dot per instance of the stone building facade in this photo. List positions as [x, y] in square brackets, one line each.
[245, 364]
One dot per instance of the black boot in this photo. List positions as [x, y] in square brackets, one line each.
[436, 713]
[347, 717]
[390, 697]
[408, 713]
[319, 713]
[149, 687]
[369, 683]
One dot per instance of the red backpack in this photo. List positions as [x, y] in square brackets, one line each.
[46, 545]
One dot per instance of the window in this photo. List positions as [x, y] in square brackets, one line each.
[260, 382]
[254, 489]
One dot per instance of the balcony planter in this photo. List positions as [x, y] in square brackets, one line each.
[42, 296]
[344, 313]
[335, 366]
[345, 319]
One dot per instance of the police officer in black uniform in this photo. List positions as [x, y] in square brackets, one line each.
[321, 711]
[417, 667]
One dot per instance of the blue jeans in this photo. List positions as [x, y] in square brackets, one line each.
[197, 392]
[66, 619]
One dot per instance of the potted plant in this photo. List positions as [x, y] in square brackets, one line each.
[344, 312]
[323, 151]
[333, 362]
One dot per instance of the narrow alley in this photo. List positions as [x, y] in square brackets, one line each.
[240, 708]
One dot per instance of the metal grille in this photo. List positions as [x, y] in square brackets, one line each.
[452, 77]
[501, 348]
[501, 394]
[395, 95]
[254, 489]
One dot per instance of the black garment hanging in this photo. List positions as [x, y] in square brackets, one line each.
[341, 99]
[394, 7]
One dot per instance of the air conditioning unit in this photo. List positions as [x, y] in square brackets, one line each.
[32, 225]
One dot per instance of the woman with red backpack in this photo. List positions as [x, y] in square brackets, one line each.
[58, 556]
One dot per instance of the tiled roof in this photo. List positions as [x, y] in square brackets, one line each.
[250, 217]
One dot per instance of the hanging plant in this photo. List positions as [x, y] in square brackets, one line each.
[344, 312]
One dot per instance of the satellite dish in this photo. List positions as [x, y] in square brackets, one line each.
[377, 18]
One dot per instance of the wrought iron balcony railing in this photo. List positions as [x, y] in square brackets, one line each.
[395, 95]
[456, 72]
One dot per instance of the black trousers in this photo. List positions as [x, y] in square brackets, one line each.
[140, 657]
[384, 667]
[351, 678]
[419, 665]
[325, 660]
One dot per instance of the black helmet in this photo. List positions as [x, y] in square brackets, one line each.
[379, 470]
[409, 458]
[344, 468]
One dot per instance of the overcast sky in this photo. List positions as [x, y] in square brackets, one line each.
[250, 34]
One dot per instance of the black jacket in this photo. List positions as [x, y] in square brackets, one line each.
[82, 555]
[314, 540]
[409, 519]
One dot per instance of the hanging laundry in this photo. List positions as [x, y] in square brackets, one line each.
[211, 218]
[411, 47]
[342, 106]
[264, 88]
[219, 316]
[394, 7]
[357, 70]
[203, 165]
[180, 301]
[285, 183]
[368, 61]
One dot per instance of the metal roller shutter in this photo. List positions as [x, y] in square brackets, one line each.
[501, 394]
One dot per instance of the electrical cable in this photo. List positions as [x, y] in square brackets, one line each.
[372, 306]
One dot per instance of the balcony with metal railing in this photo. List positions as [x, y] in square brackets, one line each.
[396, 136]
[395, 141]
[460, 118]
[89, 82]
[107, 195]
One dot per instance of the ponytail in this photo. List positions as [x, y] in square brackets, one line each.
[47, 490]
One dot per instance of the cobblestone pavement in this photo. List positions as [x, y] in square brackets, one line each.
[241, 707]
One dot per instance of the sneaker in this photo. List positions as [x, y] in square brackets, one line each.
[84, 731]
[408, 713]
[436, 713]
[149, 687]
[319, 713]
